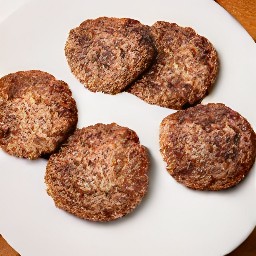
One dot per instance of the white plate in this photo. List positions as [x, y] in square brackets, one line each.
[172, 220]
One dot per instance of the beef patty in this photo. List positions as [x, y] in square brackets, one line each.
[207, 147]
[107, 54]
[184, 70]
[37, 113]
[100, 174]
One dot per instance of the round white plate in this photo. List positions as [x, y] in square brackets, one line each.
[172, 220]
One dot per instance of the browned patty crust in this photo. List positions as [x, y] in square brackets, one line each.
[37, 113]
[184, 70]
[100, 174]
[107, 54]
[207, 147]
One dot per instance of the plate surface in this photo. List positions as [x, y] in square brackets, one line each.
[172, 220]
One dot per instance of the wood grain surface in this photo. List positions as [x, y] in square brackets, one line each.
[248, 248]
[244, 11]
[6, 249]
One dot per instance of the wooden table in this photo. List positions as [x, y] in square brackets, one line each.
[244, 11]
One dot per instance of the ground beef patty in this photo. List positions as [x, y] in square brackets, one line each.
[37, 113]
[207, 147]
[185, 68]
[107, 54]
[100, 174]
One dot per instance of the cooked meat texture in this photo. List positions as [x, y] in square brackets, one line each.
[107, 54]
[100, 174]
[207, 147]
[37, 113]
[184, 70]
